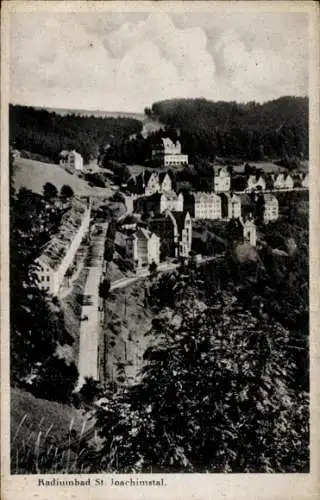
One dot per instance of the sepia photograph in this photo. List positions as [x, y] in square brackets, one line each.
[158, 166]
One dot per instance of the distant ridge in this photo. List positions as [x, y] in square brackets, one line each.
[98, 114]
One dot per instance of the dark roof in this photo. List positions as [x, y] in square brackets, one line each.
[180, 218]
[162, 176]
[238, 183]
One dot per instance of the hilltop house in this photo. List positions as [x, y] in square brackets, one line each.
[271, 208]
[58, 254]
[71, 160]
[256, 183]
[222, 180]
[283, 181]
[143, 248]
[168, 153]
[175, 232]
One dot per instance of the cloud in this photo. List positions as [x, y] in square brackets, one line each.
[128, 61]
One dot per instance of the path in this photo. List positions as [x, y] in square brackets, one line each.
[90, 328]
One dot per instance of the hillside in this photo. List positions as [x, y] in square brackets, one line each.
[33, 175]
[48, 133]
[37, 424]
[253, 131]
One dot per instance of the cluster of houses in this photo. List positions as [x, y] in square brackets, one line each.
[58, 254]
[168, 216]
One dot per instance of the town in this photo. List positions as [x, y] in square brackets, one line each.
[158, 224]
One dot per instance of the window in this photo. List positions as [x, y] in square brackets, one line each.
[42, 278]
[48, 278]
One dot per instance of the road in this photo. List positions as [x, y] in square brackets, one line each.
[90, 328]
[162, 268]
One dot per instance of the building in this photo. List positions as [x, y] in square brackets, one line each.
[222, 181]
[71, 160]
[204, 206]
[305, 182]
[175, 232]
[168, 153]
[271, 208]
[234, 207]
[256, 183]
[250, 232]
[58, 254]
[157, 183]
[283, 181]
[184, 227]
[143, 248]
[149, 182]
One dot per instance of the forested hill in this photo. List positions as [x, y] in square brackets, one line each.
[275, 128]
[47, 133]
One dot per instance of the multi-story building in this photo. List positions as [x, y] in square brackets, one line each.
[305, 181]
[234, 207]
[283, 181]
[250, 232]
[175, 232]
[184, 227]
[168, 153]
[149, 182]
[204, 205]
[58, 254]
[271, 208]
[71, 160]
[256, 183]
[222, 181]
[143, 248]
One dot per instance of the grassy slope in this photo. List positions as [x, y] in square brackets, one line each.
[34, 421]
[34, 174]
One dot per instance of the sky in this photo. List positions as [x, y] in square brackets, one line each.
[127, 61]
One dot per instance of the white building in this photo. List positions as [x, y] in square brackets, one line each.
[271, 208]
[143, 248]
[222, 181]
[256, 183]
[305, 182]
[71, 160]
[59, 252]
[171, 201]
[157, 183]
[234, 207]
[250, 232]
[168, 154]
[175, 229]
[283, 181]
[206, 206]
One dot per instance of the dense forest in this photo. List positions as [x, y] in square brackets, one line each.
[47, 133]
[274, 129]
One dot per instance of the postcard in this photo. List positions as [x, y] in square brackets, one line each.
[160, 250]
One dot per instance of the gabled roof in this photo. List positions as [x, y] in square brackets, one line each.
[180, 218]
[162, 176]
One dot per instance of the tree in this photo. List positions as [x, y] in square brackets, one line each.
[214, 397]
[153, 269]
[66, 191]
[56, 380]
[104, 288]
[49, 191]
